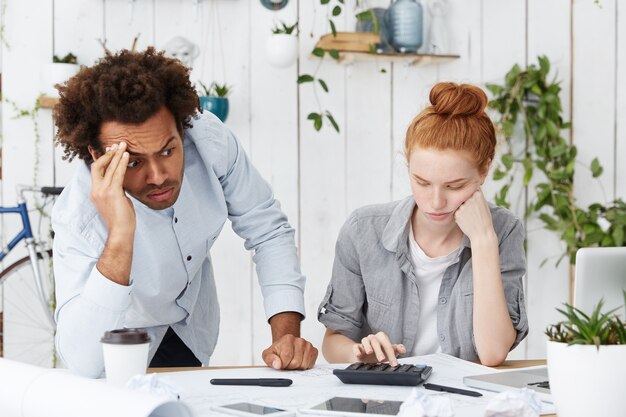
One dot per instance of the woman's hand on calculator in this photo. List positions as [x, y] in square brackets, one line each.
[377, 348]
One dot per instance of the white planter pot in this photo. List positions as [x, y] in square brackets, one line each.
[56, 73]
[586, 381]
[282, 50]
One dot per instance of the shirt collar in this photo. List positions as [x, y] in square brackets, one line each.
[396, 231]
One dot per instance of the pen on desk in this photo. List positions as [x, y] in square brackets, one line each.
[453, 390]
[263, 382]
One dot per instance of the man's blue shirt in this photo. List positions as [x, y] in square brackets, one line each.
[171, 282]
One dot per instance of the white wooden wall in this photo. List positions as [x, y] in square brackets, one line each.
[320, 177]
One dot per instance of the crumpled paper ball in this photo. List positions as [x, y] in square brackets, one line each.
[516, 403]
[153, 384]
[420, 404]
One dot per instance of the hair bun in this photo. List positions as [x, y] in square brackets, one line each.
[453, 99]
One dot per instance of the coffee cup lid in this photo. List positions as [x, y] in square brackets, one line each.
[125, 337]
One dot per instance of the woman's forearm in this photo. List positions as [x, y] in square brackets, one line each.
[338, 348]
[493, 330]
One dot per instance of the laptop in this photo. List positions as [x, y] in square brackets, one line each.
[599, 273]
[535, 379]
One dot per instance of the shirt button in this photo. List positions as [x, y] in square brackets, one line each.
[442, 337]
[189, 257]
[443, 300]
[175, 219]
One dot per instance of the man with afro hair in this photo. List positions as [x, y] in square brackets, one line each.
[135, 224]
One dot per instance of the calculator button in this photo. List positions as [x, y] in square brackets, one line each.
[380, 367]
[404, 368]
[392, 368]
[354, 366]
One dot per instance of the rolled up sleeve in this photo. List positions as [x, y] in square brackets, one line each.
[88, 303]
[341, 310]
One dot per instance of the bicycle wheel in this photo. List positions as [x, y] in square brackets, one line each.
[26, 331]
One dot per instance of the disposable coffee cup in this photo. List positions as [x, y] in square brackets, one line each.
[125, 354]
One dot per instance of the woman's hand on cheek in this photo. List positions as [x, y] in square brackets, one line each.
[474, 217]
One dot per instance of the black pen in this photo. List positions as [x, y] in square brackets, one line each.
[453, 390]
[263, 382]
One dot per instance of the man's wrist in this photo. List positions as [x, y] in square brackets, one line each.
[287, 322]
[121, 239]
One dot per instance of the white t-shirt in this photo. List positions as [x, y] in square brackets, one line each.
[429, 273]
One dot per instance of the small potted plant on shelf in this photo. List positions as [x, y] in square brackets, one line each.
[60, 70]
[281, 47]
[587, 362]
[215, 99]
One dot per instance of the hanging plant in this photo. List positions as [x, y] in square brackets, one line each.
[527, 97]
[333, 10]
[281, 48]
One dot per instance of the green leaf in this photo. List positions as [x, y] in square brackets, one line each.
[512, 75]
[317, 120]
[305, 78]
[507, 160]
[334, 54]
[550, 221]
[498, 174]
[494, 88]
[596, 168]
[336, 11]
[323, 84]
[528, 174]
[558, 150]
[618, 236]
[323, 2]
[319, 52]
[553, 131]
[332, 121]
[544, 65]
[333, 28]
[607, 241]
[365, 16]
[501, 197]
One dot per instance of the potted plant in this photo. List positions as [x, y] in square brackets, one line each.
[587, 362]
[215, 99]
[281, 47]
[530, 115]
[57, 72]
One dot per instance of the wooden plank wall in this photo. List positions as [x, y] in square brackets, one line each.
[320, 177]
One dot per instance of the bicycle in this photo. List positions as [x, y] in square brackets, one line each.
[27, 326]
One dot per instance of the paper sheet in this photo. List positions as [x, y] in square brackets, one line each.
[30, 391]
[319, 384]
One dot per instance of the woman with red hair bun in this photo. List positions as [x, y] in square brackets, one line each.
[441, 270]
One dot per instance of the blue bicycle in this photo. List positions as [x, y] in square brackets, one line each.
[27, 290]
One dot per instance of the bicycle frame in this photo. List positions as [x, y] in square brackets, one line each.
[25, 233]
[31, 245]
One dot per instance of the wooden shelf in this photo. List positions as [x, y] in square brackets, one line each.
[46, 102]
[356, 46]
[408, 59]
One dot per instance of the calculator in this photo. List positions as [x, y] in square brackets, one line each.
[383, 374]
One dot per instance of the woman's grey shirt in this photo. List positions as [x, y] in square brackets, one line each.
[373, 286]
